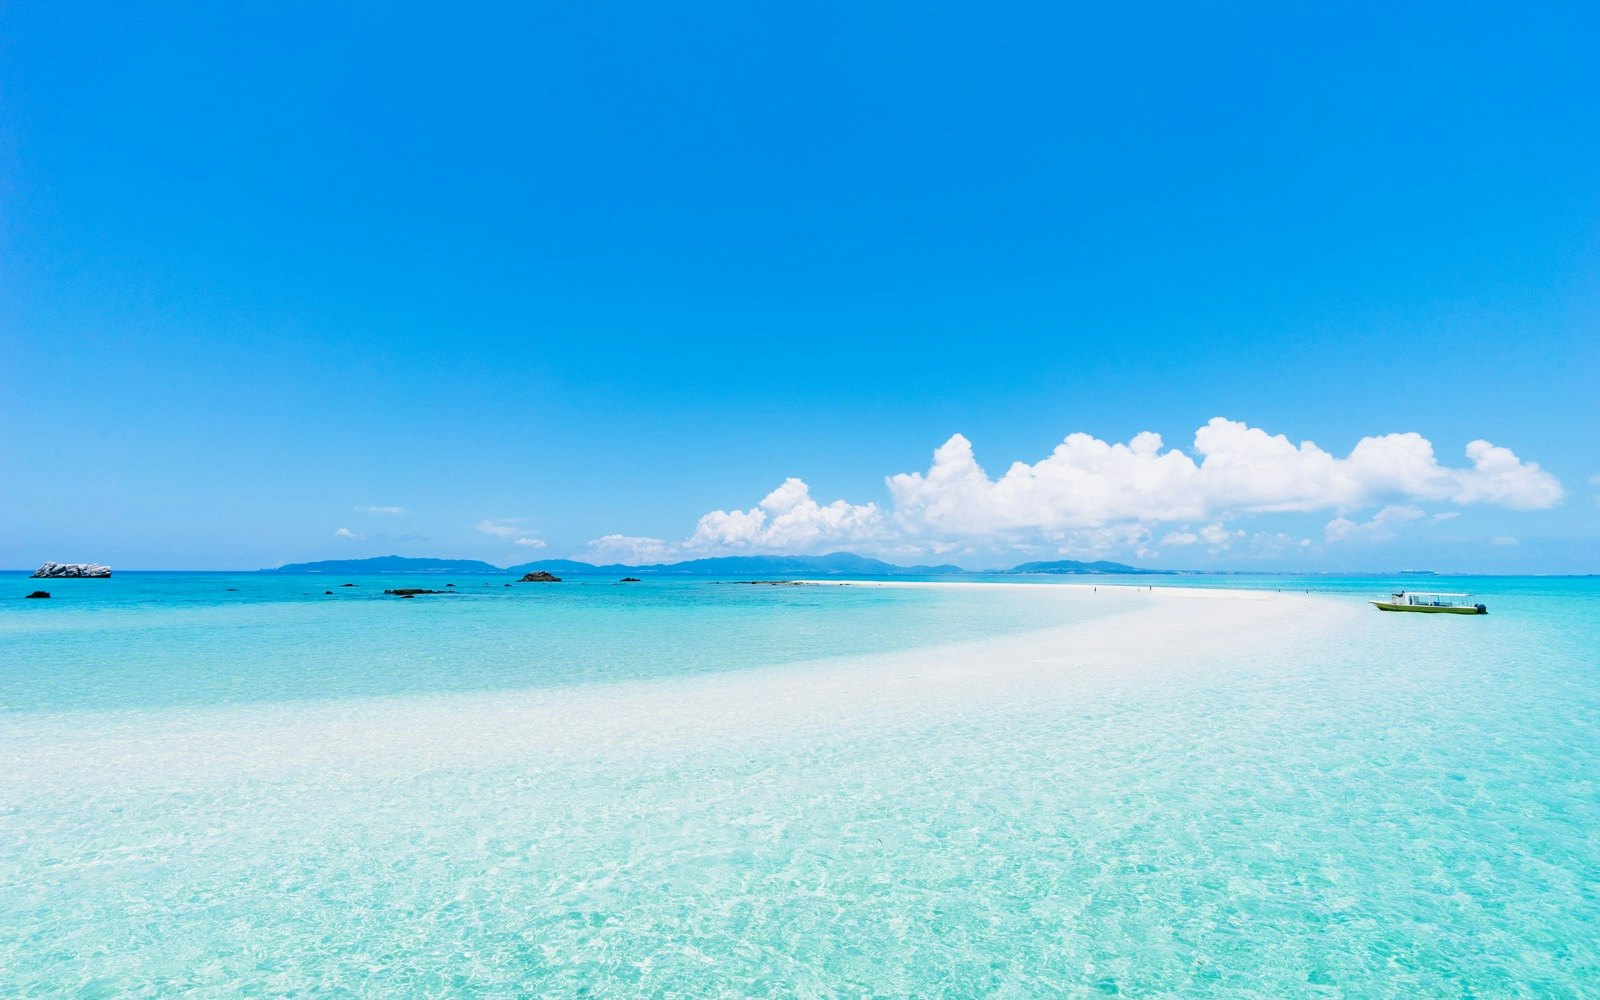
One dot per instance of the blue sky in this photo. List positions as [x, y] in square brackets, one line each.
[563, 273]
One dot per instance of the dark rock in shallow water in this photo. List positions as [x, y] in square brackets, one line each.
[327, 591]
[347, 585]
[629, 579]
[38, 595]
[539, 576]
[52, 570]
[414, 591]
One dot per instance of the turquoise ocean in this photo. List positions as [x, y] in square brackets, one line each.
[245, 785]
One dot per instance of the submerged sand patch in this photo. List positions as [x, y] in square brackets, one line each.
[1146, 628]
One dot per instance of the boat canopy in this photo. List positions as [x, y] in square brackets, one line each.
[1432, 600]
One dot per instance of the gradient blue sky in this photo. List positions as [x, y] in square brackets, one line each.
[582, 270]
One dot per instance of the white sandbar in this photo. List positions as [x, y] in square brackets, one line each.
[1147, 629]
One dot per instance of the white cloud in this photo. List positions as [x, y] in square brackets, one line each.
[787, 519]
[503, 528]
[1214, 535]
[1381, 526]
[511, 528]
[1219, 537]
[1275, 543]
[1505, 540]
[633, 549]
[380, 510]
[347, 533]
[1087, 482]
[1095, 542]
[1090, 495]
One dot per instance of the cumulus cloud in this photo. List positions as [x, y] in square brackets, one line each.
[1380, 527]
[347, 533]
[1091, 495]
[532, 543]
[1087, 482]
[380, 510]
[787, 519]
[1219, 537]
[1214, 535]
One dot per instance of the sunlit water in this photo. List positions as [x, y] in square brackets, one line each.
[1402, 805]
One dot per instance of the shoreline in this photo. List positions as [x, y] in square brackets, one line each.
[1151, 630]
[1247, 593]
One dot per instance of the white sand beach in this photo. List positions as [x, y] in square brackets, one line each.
[1146, 629]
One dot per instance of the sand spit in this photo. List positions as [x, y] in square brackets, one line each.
[1144, 630]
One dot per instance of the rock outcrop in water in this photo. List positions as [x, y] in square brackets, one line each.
[539, 576]
[39, 595]
[54, 569]
[412, 591]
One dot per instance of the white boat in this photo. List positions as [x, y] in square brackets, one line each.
[1430, 603]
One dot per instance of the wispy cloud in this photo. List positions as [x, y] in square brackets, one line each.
[1277, 542]
[502, 527]
[632, 549]
[381, 536]
[1379, 528]
[511, 528]
[380, 510]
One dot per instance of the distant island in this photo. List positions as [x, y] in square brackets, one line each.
[389, 564]
[833, 564]
[1072, 567]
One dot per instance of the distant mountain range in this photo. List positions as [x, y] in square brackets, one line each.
[388, 564]
[833, 564]
[1072, 567]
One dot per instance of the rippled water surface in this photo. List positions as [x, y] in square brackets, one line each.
[154, 639]
[1400, 805]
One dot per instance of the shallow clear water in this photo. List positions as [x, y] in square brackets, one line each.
[143, 640]
[1405, 805]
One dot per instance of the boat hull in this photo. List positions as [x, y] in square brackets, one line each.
[1425, 609]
